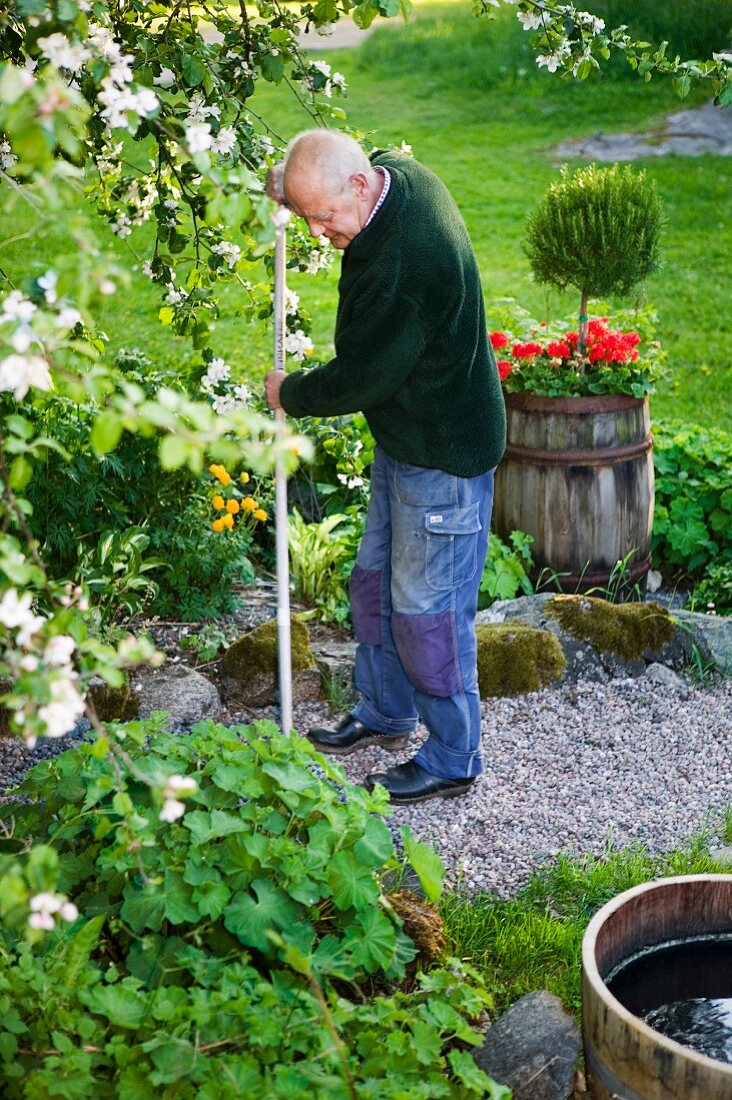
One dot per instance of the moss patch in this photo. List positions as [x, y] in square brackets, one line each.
[627, 629]
[514, 658]
[111, 704]
[257, 651]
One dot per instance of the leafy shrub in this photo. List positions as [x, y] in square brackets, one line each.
[336, 479]
[80, 501]
[505, 572]
[692, 528]
[323, 556]
[247, 948]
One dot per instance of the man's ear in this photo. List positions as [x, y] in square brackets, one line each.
[360, 185]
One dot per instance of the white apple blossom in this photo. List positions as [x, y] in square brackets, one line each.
[68, 912]
[68, 317]
[530, 20]
[7, 157]
[65, 708]
[42, 922]
[590, 22]
[28, 662]
[172, 810]
[166, 77]
[19, 372]
[338, 80]
[107, 287]
[223, 404]
[22, 338]
[550, 61]
[179, 784]
[14, 610]
[64, 54]
[47, 282]
[16, 307]
[230, 252]
[198, 137]
[59, 650]
[217, 371]
[224, 141]
[298, 345]
[199, 110]
[242, 394]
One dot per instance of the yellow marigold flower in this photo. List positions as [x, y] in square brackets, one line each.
[260, 514]
[249, 504]
[244, 478]
[232, 506]
[218, 502]
[228, 521]
[218, 524]
[220, 473]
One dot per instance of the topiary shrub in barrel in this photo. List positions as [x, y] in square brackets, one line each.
[596, 229]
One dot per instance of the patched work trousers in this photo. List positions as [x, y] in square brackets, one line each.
[414, 596]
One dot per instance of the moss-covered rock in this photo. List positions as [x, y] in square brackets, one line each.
[514, 658]
[111, 704]
[249, 667]
[628, 630]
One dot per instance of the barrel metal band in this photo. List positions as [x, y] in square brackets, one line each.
[613, 1085]
[601, 456]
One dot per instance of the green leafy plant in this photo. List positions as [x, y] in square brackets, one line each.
[337, 477]
[692, 527]
[208, 642]
[116, 574]
[597, 230]
[241, 943]
[322, 557]
[505, 572]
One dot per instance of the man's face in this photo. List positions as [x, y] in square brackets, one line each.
[337, 215]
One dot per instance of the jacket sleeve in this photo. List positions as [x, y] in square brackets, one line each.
[374, 354]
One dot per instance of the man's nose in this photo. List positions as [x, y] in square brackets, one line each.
[317, 229]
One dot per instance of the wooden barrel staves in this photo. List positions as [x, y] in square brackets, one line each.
[578, 476]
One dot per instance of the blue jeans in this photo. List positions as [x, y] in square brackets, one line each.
[414, 595]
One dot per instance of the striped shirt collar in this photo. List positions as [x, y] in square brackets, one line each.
[384, 192]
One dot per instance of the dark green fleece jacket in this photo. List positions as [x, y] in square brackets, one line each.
[411, 342]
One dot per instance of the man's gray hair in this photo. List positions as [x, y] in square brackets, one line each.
[330, 155]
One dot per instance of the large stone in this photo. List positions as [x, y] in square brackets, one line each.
[674, 638]
[336, 662]
[249, 668]
[185, 694]
[533, 1048]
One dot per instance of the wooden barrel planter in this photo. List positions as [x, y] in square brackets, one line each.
[578, 476]
[625, 1058]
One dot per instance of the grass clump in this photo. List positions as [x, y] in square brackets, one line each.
[514, 658]
[534, 941]
[625, 629]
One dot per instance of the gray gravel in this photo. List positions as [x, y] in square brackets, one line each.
[566, 770]
[571, 770]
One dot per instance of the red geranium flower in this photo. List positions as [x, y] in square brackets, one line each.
[526, 351]
[504, 368]
[499, 339]
[558, 350]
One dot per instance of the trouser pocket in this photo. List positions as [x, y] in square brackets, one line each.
[451, 546]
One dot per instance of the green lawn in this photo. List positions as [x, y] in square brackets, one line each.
[467, 95]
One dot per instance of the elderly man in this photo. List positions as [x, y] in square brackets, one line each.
[411, 352]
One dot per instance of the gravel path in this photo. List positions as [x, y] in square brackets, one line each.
[565, 770]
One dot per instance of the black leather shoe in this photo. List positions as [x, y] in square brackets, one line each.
[350, 735]
[410, 783]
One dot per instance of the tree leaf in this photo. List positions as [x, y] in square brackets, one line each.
[106, 432]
